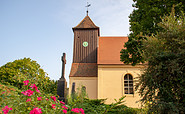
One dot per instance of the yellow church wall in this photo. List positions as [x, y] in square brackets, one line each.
[89, 82]
[111, 83]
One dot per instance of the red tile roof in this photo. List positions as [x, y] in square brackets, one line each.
[84, 69]
[109, 49]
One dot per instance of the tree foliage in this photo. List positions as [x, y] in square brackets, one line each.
[144, 19]
[14, 73]
[162, 84]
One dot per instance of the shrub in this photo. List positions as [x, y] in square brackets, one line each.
[32, 101]
[14, 73]
[98, 106]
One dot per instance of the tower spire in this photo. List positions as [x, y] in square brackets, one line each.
[88, 5]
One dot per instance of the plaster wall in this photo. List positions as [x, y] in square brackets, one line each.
[111, 83]
[90, 83]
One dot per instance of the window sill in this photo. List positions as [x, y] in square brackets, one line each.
[129, 95]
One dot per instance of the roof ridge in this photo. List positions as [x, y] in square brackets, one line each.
[86, 23]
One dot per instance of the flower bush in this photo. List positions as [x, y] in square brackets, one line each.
[6, 109]
[33, 101]
[12, 100]
[36, 111]
[78, 110]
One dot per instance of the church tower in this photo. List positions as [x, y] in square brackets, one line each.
[85, 41]
[84, 70]
[86, 35]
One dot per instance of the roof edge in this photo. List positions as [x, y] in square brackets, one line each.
[113, 37]
[86, 18]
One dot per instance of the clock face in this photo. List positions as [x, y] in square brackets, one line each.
[85, 44]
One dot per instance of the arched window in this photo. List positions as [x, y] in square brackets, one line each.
[83, 89]
[128, 84]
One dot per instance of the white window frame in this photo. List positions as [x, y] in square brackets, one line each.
[128, 84]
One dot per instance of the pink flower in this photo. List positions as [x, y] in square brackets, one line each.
[28, 92]
[53, 106]
[6, 109]
[3, 92]
[24, 92]
[53, 97]
[47, 99]
[36, 111]
[62, 102]
[28, 100]
[37, 90]
[64, 107]
[81, 110]
[64, 111]
[26, 82]
[39, 98]
[33, 86]
[75, 110]
[78, 110]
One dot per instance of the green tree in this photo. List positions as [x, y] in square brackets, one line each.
[14, 73]
[144, 19]
[162, 85]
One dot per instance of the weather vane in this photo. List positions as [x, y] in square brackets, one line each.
[88, 5]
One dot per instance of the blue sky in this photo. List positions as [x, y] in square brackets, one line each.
[42, 29]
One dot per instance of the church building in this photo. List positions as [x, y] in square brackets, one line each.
[97, 67]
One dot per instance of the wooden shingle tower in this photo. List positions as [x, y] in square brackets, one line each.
[86, 35]
[85, 41]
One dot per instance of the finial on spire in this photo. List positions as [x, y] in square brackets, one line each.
[88, 5]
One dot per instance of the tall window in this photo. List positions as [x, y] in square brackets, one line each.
[73, 88]
[128, 84]
[84, 89]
